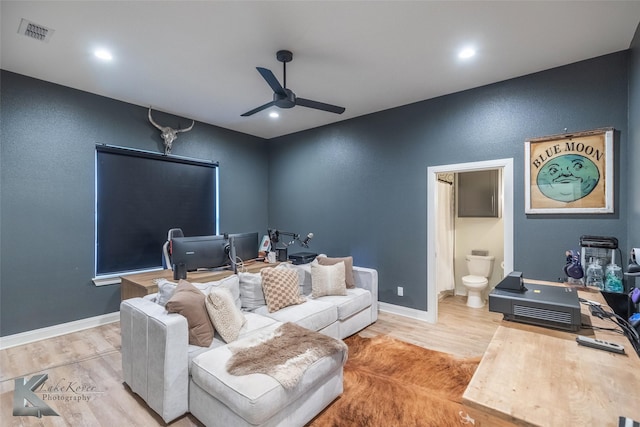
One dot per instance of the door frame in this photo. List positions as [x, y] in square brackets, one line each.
[432, 196]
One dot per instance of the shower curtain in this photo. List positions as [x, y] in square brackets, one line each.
[445, 237]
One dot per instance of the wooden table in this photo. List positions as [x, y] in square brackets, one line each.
[141, 284]
[534, 376]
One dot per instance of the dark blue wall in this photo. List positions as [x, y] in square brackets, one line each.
[361, 185]
[49, 134]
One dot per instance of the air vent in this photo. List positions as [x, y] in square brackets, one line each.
[35, 31]
[554, 316]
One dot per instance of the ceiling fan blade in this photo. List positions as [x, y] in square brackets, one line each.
[319, 105]
[260, 108]
[271, 80]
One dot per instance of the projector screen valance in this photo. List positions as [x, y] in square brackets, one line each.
[140, 196]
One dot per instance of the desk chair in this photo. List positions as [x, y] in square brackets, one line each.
[166, 248]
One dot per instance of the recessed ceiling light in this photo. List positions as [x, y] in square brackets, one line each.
[466, 53]
[103, 54]
[274, 115]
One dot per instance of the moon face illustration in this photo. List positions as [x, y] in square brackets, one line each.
[568, 178]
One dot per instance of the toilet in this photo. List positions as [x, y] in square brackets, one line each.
[479, 270]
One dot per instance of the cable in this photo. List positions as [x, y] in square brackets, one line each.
[626, 328]
[599, 328]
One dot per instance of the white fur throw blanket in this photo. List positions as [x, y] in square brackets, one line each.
[283, 354]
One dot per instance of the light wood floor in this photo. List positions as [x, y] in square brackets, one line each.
[89, 362]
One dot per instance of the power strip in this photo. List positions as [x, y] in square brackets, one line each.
[599, 344]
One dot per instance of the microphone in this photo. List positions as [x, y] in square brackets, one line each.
[306, 240]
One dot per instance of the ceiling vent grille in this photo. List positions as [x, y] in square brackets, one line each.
[35, 31]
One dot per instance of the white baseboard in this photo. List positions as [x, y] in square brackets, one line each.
[412, 313]
[56, 330]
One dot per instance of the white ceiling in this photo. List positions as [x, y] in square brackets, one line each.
[197, 59]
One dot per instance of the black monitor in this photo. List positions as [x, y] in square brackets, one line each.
[246, 245]
[200, 251]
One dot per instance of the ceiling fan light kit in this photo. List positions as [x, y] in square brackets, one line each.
[284, 97]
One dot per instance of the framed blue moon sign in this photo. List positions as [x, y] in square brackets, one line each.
[570, 173]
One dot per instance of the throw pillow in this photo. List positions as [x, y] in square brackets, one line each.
[348, 268]
[251, 293]
[304, 276]
[232, 283]
[227, 319]
[188, 301]
[280, 287]
[327, 279]
[166, 289]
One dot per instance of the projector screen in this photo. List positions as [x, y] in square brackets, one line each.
[140, 196]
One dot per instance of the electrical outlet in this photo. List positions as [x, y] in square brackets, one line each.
[400, 291]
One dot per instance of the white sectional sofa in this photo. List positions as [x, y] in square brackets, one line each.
[174, 377]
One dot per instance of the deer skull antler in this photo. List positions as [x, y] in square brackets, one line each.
[168, 134]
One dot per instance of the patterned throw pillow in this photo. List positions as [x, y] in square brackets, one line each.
[280, 288]
[348, 268]
[327, 279]
[227, 319]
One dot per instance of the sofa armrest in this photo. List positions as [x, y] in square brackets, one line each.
[367, 278]
[155, 362]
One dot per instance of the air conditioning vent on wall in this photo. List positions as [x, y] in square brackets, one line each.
[35, 31]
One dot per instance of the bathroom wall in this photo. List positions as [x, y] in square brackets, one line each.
[478, 233]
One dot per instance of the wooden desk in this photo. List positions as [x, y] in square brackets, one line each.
[534, 376]
[141, 284]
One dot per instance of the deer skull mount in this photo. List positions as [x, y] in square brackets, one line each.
[168, 134]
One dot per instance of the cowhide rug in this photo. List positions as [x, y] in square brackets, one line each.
[284, 354]
[392, 383]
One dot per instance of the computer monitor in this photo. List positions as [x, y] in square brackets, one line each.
[200, 251]
[245, 244]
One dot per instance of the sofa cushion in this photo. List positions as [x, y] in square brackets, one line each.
[356, 300]
[348, 267]
[313, 314]
[166, 288]
[257, 397]
[280, 288]
[226, 317]
[253, 323]
[327, 279]
[188, 301]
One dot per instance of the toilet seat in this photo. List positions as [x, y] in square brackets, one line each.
[475, 281]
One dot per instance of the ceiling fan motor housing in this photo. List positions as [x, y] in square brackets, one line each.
[282, 101]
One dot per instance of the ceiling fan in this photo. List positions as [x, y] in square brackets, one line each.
[285, 98]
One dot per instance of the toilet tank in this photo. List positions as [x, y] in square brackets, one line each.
[480, 265]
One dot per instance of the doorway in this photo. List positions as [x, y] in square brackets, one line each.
[506, 166]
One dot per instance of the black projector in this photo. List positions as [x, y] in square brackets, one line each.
[302, 257]
[541, 305]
